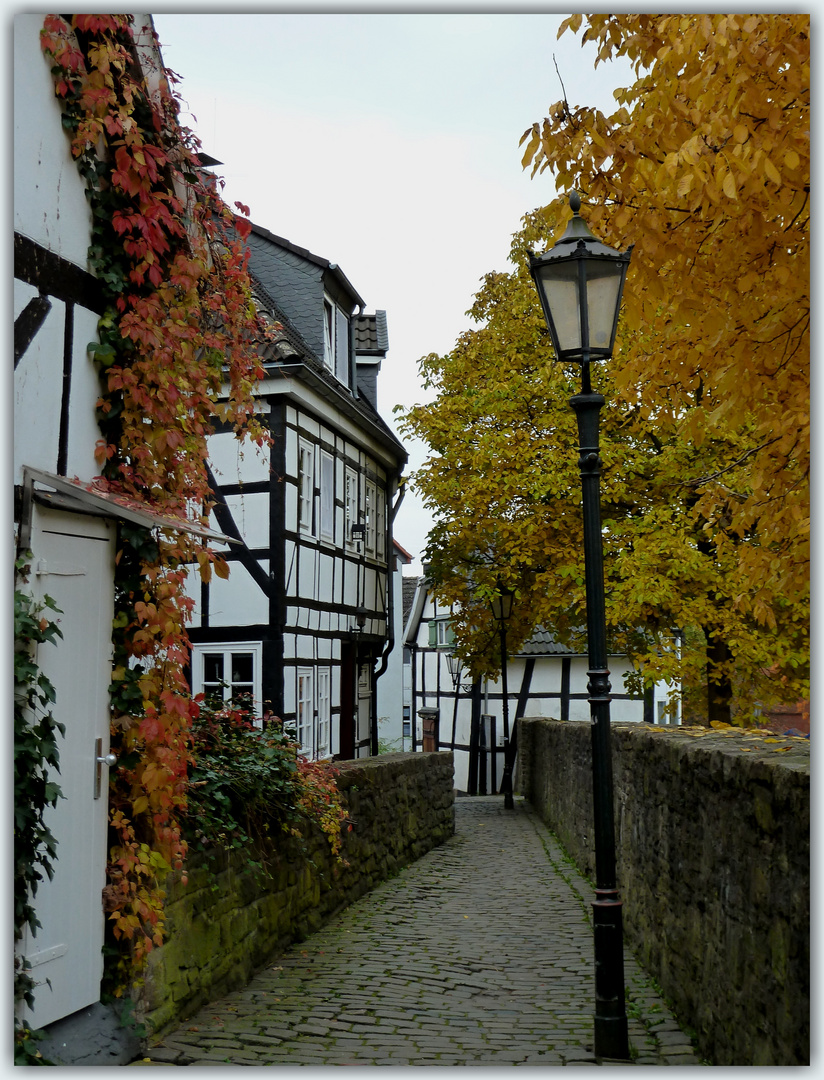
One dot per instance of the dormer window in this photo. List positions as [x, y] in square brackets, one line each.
[329, 333]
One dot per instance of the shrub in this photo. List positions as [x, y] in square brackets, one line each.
[249, 782]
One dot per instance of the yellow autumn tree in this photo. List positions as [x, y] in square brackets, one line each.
[705, 167]
[706, 444]
[503, 486]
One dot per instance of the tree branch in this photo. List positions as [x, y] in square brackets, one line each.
[727, 468]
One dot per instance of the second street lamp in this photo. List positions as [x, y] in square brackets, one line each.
[580, 282]
[501, 610]
[455, 666]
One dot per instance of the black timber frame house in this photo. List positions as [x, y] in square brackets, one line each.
[304, 623]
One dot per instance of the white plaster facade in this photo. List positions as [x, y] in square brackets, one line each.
[469, 718]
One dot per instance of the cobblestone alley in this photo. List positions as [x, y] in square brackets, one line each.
[479, 954]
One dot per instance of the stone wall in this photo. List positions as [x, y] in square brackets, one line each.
[713, 848]
[226, 922]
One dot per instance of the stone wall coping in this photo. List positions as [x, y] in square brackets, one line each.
[398, 758]
[781, 751]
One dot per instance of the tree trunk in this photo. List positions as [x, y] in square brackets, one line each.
[719, 686]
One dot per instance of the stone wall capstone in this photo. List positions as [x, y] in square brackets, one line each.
[713, 850]
[228, 922]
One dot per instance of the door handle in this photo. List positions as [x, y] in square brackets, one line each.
[101, 759]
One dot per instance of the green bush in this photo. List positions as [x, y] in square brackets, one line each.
[249, 782]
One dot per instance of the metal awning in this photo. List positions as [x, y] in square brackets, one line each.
[77, 496]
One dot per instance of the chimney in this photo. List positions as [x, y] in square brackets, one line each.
[371, 346]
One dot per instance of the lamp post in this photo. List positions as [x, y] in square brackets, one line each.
[501, 610]
[580, 282]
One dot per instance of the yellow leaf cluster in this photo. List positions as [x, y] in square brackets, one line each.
[705, 167]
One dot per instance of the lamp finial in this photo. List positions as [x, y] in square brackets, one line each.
[574, 201]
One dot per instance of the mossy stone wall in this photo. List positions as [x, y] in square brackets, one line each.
[713, 849]
[227, 922]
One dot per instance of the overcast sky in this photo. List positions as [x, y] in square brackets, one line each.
[388, 144]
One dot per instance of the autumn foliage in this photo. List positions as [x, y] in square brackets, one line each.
[704, 167]
[178, 326]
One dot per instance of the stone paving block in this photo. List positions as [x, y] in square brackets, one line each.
[403, 978]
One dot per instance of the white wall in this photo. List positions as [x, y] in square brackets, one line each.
[50, 207]
[390, 684]
[434, 689]
[49, 201]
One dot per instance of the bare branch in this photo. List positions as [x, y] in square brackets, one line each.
[727, 468]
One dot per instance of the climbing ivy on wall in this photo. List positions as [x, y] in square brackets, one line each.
[36, 759]
[179, 325]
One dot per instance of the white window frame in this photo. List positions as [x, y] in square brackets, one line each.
[329, 331]
[324, 724]
[226, 648]
[306, 485]
[370, 515]
[380, 523]
[327, 495]
[351, 502]
[304, 709]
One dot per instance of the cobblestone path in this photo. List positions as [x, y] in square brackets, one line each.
[479, 954]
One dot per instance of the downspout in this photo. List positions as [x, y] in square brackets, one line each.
[390, 618]
[390, 583]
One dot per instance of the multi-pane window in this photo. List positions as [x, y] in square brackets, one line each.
[370, 515]
[351, 500]
[306, 485]
[227, 674]
[327, 495]
[305, 710]
[441, 633]
[324, 710]
[380, 523]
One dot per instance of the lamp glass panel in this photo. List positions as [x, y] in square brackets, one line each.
[603, 288]
[502, 606]
[559, 282]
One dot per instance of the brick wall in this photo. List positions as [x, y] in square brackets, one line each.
[226, 923]
[713, 847]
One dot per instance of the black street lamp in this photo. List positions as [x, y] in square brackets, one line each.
[501, 610]
[580, 282]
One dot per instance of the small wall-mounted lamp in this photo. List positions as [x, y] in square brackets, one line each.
[360, 619]
[455, 665]
[358, 532]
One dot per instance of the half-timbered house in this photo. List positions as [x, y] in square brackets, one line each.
[304, 625]
[543, 677]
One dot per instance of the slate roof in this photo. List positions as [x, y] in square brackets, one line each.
[318, 260]
[288, 347]
[286, 342]
[410, 584]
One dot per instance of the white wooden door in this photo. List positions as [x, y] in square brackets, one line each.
[74, 564]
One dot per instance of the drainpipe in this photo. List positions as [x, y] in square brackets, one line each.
[391, 562]
[390, 587]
